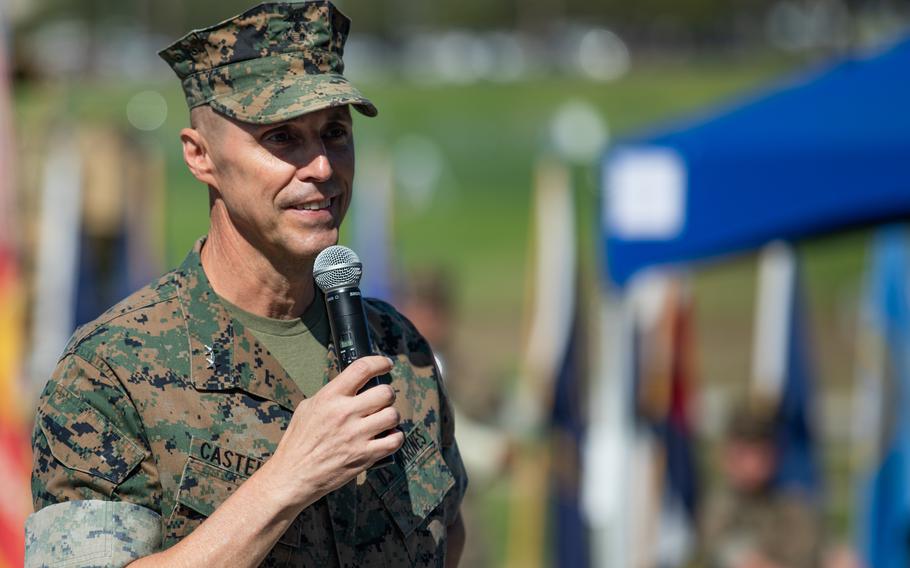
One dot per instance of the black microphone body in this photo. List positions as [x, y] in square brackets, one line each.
[337, 271]
[350, 332]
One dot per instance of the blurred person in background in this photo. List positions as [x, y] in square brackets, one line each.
[427, 300]
[203, 420]
[487, 451]
[749, 522]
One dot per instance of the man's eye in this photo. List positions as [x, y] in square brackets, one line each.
[278, 137]
[336, 132]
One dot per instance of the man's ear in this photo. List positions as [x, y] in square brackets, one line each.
[197, 156]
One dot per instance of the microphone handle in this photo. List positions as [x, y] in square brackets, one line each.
[351, 336]
[348, 321]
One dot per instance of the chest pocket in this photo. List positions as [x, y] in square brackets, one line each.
[411, 492]
[203, 488]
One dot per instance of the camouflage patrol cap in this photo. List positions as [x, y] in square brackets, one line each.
[752, 421]
[271, 63]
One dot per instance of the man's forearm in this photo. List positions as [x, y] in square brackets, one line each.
[240, 533]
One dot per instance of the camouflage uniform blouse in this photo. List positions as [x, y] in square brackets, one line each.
[159, 409]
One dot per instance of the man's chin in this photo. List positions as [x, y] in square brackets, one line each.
[306, 250]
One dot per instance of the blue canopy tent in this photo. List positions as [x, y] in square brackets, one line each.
[822, 152]
[818, 153]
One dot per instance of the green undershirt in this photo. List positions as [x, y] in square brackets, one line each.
[299, 344]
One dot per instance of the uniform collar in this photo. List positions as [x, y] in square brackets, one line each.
[224, 355]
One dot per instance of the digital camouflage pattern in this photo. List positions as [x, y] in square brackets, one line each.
[781, 527]
[92, 533]
[274, 62]
[166, 402]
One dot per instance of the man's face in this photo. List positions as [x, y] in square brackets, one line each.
[284, 187]
[748, 464]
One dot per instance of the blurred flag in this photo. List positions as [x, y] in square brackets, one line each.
[373, 218]
[608, 476]
[680, 499]
[15, 454]
[100, 233]
[664, 383]
[568, 429]
[7, 160]
[56, 269]
[884, 528]
[782, 370]
[549, 323]
[121, 231]
[143, 251]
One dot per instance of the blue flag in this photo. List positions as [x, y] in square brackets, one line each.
[570, 531]
[885, 523]
[797, 467]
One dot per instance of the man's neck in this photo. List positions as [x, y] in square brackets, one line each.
[245, 277]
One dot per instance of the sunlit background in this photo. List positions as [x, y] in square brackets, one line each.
[478, 212]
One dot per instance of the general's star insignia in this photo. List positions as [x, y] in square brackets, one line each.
[210, 357]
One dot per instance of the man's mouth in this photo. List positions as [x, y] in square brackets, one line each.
[315, 205]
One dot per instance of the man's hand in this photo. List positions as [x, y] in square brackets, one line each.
[332, 437]
[335, 435]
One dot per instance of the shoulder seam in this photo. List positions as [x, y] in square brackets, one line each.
[95, 361]
[86, 333]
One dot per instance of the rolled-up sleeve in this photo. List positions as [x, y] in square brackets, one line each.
[90, 533]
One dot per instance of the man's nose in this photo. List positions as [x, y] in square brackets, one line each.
[318, 169]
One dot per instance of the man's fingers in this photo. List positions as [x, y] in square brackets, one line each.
[385, 419]
[359, 372]
[374, 399]
[385, 445]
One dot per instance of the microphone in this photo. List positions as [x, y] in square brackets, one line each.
[337, 271]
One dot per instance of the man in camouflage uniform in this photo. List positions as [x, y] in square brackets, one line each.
[171, 432]
[750, 523]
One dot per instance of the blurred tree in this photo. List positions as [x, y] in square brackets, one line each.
[657, 22]
[653, 22]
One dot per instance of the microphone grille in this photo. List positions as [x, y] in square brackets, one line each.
[337, 267]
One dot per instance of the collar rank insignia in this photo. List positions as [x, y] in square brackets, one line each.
[210, 357]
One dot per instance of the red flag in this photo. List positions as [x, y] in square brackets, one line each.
[15, 459]
[14, 448]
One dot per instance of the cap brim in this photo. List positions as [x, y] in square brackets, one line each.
[291, 97]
